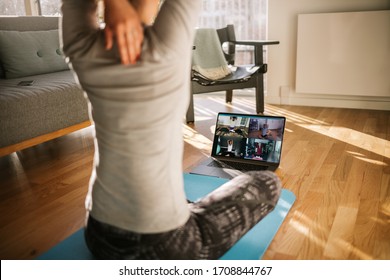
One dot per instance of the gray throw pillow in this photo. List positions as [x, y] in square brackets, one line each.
[30, 53]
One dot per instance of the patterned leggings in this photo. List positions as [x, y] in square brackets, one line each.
[216, 223]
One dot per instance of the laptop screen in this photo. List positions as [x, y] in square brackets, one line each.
[248, 137]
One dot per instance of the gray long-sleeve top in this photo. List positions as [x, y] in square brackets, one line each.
[137, 110]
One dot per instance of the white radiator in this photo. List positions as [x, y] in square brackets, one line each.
[344, 53]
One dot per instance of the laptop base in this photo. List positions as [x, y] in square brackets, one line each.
[207, 169]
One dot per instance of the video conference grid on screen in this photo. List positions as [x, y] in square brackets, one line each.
[254, 138]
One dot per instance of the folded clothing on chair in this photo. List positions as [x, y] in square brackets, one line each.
[208, 58]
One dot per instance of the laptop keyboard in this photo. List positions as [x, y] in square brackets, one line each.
[236, 165]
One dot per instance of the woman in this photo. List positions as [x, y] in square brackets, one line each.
[136, 78]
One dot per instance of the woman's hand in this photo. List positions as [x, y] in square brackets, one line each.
[123, 23]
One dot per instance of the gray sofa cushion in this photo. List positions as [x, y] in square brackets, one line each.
[53, 102]
[30, 53]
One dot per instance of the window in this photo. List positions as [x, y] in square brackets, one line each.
[249, 18]
[30, 7]
[15, 7]
[50, 7]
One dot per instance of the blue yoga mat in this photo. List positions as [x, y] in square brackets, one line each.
[251, 246]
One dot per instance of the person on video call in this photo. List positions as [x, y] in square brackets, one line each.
[136, 74]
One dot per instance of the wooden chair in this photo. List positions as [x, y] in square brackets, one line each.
[240, 78]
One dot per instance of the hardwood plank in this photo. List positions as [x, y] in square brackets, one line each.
[339, 243]
[364, 234]
[291, 236]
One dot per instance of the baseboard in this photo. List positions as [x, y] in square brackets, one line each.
[330, 101]
[351, 102]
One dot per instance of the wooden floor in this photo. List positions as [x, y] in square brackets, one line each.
[336, 161]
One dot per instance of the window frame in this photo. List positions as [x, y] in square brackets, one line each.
[32, 7]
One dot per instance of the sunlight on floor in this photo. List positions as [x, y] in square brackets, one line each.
[339, 246]
[343, 134]
[334, 247]
[365, 159]
[296, 118]
[237, 106]
[204, 113]
[304, 225]
[352, 137]
[385, 210]
[196, 139]
[16, 160]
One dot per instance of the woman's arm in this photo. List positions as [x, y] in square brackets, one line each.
[78, 23]
[123, 23]
[146, 9]
[175, 24]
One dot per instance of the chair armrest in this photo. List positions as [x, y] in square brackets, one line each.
[258, 48]
[255, 43]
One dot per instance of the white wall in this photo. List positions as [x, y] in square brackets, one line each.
[282, 26]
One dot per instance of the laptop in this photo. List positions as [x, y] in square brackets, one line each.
[244, 142]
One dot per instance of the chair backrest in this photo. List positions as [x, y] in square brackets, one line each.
[226, 35]
[28, 23]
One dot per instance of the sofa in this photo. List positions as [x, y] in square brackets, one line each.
[39, 97]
